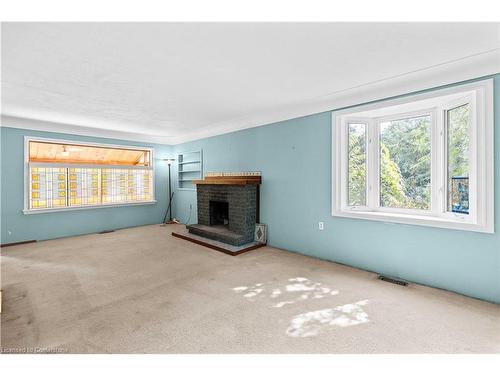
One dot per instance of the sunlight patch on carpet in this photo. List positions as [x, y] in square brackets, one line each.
[313, 322]
[295, 290]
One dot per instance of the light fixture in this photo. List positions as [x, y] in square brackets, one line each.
[169, 162]
[65, 151]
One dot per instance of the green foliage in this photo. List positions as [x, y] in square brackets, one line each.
[405, 159]
[391, 189]
[407, 144]
[458, 141]
[405, 164]
[357, 165]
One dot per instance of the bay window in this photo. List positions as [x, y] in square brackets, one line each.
[64, 175]
[425, 159]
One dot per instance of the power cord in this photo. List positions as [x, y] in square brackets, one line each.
[189, 218]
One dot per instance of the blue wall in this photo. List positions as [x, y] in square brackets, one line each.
[61, 224]
[295, 159]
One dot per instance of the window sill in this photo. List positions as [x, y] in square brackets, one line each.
[109, 205]
[430, 221]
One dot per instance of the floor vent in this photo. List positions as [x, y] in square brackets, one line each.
[392, 280]
[107, 231]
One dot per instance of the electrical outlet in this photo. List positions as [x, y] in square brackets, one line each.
[321, 225]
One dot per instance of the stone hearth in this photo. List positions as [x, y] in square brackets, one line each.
[227, 209]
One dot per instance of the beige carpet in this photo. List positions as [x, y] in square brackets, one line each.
[141, 290]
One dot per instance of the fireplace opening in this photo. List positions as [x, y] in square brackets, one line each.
[219, 213]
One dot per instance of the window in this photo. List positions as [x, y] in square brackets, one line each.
[405, 162]
[65, 175]
[357, 164]
[457, 128]
[425, 159]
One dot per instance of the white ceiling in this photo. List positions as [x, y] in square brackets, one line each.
[170, 82]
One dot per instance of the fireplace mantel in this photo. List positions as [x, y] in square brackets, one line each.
[229, 180]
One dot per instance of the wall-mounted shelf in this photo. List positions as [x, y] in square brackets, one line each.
[189, 168]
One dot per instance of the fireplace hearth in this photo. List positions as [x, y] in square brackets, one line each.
[227, 208]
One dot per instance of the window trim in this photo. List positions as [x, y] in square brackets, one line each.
[26, 164]
[481, 219]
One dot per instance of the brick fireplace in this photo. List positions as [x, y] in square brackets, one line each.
[227, 208]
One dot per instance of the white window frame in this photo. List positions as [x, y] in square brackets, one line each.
[28, 139]
[481, 183]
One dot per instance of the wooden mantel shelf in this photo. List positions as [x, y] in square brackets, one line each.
[229, 180]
